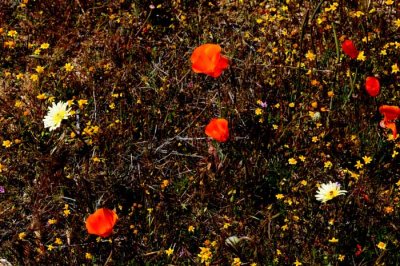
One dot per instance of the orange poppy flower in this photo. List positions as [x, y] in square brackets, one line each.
[390, 114]
[372, 86]
[101, 222]
[207, 59]
[350, 49]
[218, 129]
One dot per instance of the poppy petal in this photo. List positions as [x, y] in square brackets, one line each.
[392, 126]
[350, 49]
[218, 129]
[372, 86]
[101, 222]
[207, 59]
[389, 112]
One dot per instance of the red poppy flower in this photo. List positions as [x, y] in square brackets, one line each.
[101, 222]
[218, 129]
[372, 86]
[390, 114]
[207, 59]
[350, 49]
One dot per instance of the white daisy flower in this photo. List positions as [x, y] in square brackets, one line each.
[56, 113]
[329, 191]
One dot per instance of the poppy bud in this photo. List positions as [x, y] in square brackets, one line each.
[350, 49]
[101, 222]
[218, 129]
[372, 86]
[207, 59]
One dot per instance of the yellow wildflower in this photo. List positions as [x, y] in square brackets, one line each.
[258, 111]
[281, 196]
[7, 143]
[39, 69]
[68, 67]
[21, 235]
[34, 77]
[169, 251]
[12, 33]
[361, 56]
[333, 240]
[395, 68]
[381, 245]
[310, 55]
[44, 46]
[367, 159]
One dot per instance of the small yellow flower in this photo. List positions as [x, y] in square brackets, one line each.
[52, 221]
[303, 182]
[397, 23]
[205, 255]
[37, 52]
[258, 111]
[41, 96]
[359, 165]
[395, 153]
[88, 256]
[2, 167]
[341, 257]
[7, 143]
[50, 247]
[236, 262]
[333, 240]
[22, 235]
[39, 69]
[44, 46]
[19, 76]
[12, 33]
[367, 159]
[191, 228]
[381, 245]
[275, 127]
[169, 251]
[58, 241]
[82, 102]
[68, 67]
[310, 55]
[302, 158]
[395, 68]
[34, 77]
[292, 161]
[388, 209]
[389, 2]
[361, 56]
[291, 105]
[328, 164]
[226, 225]
[281, 196]
[331, 94]
[297, 263]
[66, 213]
[314, 139]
